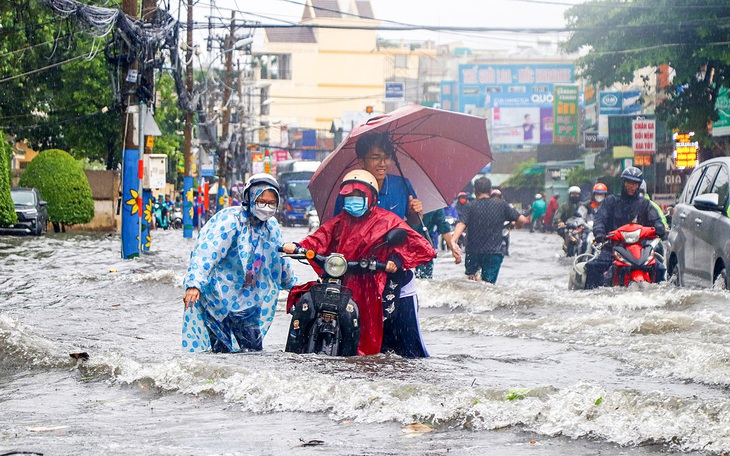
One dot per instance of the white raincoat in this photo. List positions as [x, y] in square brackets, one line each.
[236, 267]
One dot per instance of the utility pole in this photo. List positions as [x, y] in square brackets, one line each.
[131, 198]
[188, 178]
[223, 151]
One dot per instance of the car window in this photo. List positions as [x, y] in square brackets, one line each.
[21, 198]
[689, 189]
[721, 185]
[705, 184]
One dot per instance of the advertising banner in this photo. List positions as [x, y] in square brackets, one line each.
[643, 136]
[566, 117]
[516, 126]
[610, 103]
[721, 127]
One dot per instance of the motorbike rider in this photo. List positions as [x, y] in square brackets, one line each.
[616, 211]
[567, 209]
[537, 212]
[354, 233]
[588, 209]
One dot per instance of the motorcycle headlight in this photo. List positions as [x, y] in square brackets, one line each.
[619, 257]
[335, 265]
[631, 237]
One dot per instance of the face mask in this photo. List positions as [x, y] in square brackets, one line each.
[462, 201]
[263, 212]
[575, 199]
[356, 205]
[599, 198]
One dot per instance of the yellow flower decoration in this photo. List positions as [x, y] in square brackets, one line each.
[149, 241]
[133, 201]
[148, 211]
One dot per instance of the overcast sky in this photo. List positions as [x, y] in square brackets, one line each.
[482, 13]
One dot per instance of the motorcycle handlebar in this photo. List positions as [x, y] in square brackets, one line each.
[299, 252]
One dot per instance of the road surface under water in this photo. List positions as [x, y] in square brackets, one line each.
[526, 365]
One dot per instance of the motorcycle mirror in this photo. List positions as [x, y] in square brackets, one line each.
[396, 236]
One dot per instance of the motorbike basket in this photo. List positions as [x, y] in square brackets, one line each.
[332, 296]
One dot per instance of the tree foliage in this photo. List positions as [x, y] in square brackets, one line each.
[525, 177]
[626, 35]
[63, 184]
[55, 84]
[7, 209]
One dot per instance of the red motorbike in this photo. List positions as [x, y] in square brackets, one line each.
[635, 258]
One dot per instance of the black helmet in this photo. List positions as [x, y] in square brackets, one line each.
[632, 174]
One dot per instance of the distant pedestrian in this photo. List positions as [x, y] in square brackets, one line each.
[484, 221]
[552, 207]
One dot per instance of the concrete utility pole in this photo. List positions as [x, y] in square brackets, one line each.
[189, 86]
[129, 89]
[223, 152]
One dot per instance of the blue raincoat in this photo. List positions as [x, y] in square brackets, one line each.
[236, 267]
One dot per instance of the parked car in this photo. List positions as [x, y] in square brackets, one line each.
[699, 252]
[31, 210]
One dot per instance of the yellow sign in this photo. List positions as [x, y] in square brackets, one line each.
[685, 150]
[150, 142]
[642, 160]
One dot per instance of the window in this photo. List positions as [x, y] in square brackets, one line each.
[275, 66]
[401, 61]
[264, 107]
[705, 184]
[689, 188]
[721, 186]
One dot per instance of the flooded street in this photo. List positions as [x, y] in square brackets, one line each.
[526, 365]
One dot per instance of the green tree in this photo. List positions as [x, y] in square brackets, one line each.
[55, 84]
[624, 36]
[525, 176]
[63, 185]
[7, 209]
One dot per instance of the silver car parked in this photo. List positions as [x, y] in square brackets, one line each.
[700, 236]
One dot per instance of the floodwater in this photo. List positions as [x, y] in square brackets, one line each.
[523, 366]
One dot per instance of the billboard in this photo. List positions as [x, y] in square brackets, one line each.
[523, 85]
[566, 120]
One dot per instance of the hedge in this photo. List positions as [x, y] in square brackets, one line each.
[7, 209]
[63, 184]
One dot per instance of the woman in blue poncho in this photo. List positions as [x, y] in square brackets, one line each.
[236, 273]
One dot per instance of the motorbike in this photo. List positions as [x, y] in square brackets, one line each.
[636, 259]
[312, 219]
[177, 218]
[575, 236]
[325, 319]
[162, 216]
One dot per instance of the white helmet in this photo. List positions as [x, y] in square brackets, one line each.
[259, 179]
[538, 196]
[574, 189]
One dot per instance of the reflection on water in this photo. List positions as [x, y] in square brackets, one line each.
[616, 366]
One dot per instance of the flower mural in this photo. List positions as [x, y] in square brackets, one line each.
[132, 202]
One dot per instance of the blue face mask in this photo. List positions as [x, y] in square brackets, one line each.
[356, 205]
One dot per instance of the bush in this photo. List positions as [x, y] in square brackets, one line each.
[63, 184]
[7, 209]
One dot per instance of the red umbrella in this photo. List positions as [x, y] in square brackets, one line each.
[438, 151]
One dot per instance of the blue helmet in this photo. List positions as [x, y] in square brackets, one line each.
[632, 174]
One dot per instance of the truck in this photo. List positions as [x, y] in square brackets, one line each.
[294, 177]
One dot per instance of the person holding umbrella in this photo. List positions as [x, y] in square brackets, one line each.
[376, 152]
